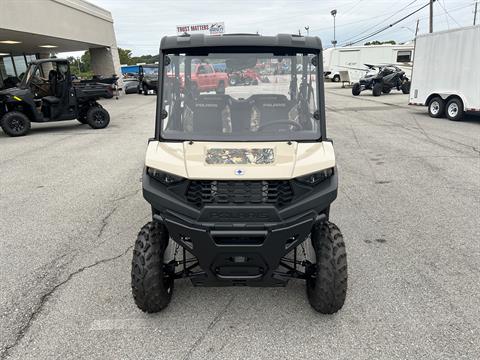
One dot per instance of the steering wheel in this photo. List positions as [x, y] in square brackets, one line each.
[296, 125]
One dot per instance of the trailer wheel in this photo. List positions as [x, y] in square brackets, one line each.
[98, 117]
[15, 123]
[454, 109]
[327, 283]
[152, 280]
[436, 107]
[356, 89]
[377, 89]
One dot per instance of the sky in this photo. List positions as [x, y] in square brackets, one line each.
[140, 24]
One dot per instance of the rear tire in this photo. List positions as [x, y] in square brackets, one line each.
[98, 117]
[436, 107]
[454, 109]
[152, 285]
[327, 284]
[377, 89]
[15, 123]
[356, 89]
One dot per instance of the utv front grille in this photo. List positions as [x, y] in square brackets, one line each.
[278, 193]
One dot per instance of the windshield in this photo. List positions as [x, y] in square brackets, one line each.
[27, 76]
[150, 70]
[240, 97]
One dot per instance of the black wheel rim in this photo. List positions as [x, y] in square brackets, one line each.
[17, 125]
[99, 118]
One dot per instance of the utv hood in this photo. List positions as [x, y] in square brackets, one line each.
[237, 161]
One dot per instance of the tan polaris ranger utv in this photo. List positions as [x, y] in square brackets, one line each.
[240, 182]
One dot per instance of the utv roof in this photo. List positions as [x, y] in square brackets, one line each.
[241, 40]
[41, 61]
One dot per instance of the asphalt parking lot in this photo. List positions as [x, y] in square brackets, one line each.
[408, 205]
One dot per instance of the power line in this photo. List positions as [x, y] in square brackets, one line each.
[388, 18]
[351, 8]
[387, 27]
[447, 13]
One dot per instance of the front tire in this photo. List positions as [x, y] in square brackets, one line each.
[15, 123]
[406, 87]
[336, 78]
[356, 89]
[327, 283]
[145, 89]
[454, 109]
[377, 89]
[98, 117]
[436, 107]
[152, 283]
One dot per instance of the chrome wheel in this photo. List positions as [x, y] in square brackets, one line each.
[435, 108]
[452, 110]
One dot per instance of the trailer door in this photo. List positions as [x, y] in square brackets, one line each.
[349, 58]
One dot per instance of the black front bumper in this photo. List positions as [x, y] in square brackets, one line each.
[239, 245]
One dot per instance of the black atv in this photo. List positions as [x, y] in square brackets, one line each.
[56, 98]
[382, 79]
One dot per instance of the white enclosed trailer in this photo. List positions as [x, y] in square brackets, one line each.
[446, 72]
[350, 60]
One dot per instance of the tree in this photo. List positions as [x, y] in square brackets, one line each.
[125, 56]
[86, 61]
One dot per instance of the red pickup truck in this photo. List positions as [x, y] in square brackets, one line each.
[204, 79]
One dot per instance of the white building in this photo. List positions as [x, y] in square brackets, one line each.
[38, 28]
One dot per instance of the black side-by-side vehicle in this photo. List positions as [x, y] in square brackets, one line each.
[47, 93]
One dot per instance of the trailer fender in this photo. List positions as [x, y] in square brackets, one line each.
[445, 95]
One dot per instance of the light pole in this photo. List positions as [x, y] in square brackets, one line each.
[307, 28]
[334, 41]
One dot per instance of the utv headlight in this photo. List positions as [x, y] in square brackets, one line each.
[163, 177]
[315, 178]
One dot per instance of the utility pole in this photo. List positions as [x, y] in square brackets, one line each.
[475, 14]
[431, 16]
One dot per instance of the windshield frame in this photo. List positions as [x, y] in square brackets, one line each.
[32, 68]
[276, 51]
